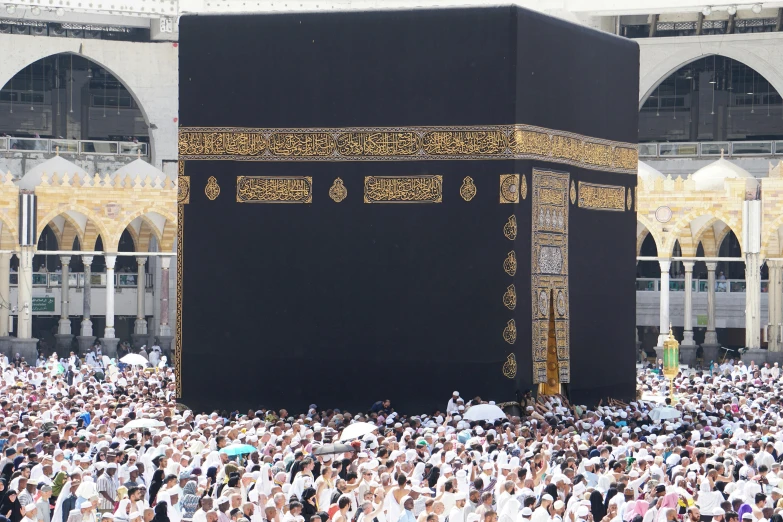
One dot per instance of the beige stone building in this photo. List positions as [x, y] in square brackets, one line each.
[102, 251]
[709, 247]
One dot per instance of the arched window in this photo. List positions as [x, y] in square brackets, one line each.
[70, 97]
[712, 99]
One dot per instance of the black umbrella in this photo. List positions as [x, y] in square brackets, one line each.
[331, 449]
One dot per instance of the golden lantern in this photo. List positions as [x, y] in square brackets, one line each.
[671, 360]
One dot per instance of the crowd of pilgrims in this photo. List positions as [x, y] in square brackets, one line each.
[115, 445]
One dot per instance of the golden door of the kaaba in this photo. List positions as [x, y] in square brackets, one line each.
[552, 384]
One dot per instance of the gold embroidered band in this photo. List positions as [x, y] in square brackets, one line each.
[407, 143]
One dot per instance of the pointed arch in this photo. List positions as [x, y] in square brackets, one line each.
[772, 246]
[708, 243]
[658, 66]
[147, 215]
[651, 229]
[682, 227]
[33, 56]
[70, 232]
[92, 218]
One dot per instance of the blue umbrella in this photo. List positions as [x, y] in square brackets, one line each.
[238, 449]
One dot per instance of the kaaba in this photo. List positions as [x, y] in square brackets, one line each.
[399, 204]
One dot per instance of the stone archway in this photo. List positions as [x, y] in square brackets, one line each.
[144, 74]
[659, 58]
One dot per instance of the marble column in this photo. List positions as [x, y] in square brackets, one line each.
[64, 336]
[164, 330]
[24, 304]
[752, 301]
[773, 306]
[140, 336]
[710, 337]
[109, 340]
[663, 332]
[688, 322]
[778, 319]
[687, 347]
[710, 347]
[140, 326]
[24, 343]
[5, 301]
[86, 338]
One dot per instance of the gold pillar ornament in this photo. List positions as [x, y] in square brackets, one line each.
[510, 228]
[510, 297]
[671, 360]
[212, 190]
[510, 332]
[510, 263]
[510, 366]
[523, 187]
[337, 191]
[468, 189]
[573, 192]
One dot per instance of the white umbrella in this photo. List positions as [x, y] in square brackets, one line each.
[135, 359]
[145, 423]
[484, 412]
[357, 430]
[664, 413]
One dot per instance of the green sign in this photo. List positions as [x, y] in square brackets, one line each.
[43, 304]
[701, 320]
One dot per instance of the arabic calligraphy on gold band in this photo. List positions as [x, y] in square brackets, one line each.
[601, 197]
[403, 189]
[271, 189]
[407, 143]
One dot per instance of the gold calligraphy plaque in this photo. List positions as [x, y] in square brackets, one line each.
[528, 142]
[597, 153]
[464, 143]
[228, 143]
[601, 197]
[403, 189]
[271, 189]
[301, 144]
[626, 158]
[377, 144]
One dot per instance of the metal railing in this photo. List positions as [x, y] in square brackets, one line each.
[76, 280]
[710, 149]
[76, 147]
[729, 286]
